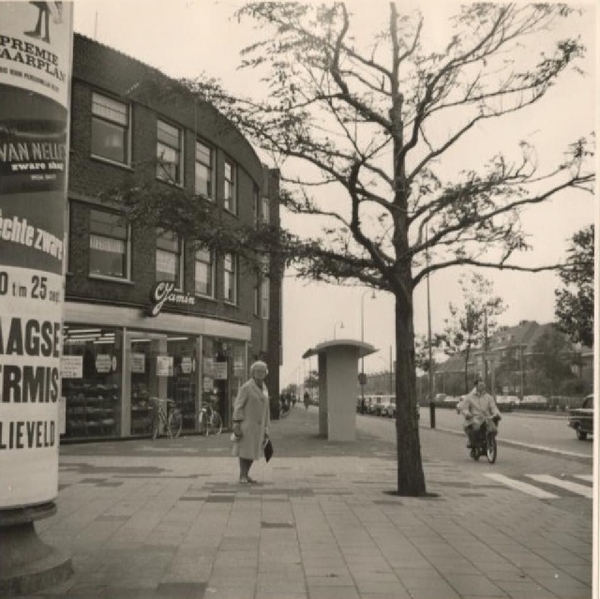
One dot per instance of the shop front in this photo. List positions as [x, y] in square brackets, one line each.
[111, 373]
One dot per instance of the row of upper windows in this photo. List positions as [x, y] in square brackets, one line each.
[110, 256]
[111, 140]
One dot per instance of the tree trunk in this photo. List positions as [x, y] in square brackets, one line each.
[411, 480]
[467, 368]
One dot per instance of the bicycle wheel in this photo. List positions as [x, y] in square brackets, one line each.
[174, 423]
[216, 424]
[492, 448]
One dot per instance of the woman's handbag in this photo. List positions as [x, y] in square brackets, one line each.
[268, 449]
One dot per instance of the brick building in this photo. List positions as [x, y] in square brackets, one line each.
[218, 316]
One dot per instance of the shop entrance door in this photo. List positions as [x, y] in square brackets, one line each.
[159, 365]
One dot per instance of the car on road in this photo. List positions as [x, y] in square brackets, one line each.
[534, 402]
[582, 419]
[390, 408]
[439, 398]
[373, 405]
[383, 404]
[507, 403]
[451, 402]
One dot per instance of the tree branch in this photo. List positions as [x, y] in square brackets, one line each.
[468, 261]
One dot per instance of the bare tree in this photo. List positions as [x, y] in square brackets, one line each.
[360, 131]
[472, 322]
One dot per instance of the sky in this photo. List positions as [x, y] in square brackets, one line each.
[185, 38]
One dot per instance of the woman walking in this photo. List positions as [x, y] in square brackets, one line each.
[251, 420]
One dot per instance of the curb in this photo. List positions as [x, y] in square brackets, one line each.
[570, 455]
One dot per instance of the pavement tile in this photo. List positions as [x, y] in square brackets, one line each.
[474, 585]
[229, 593]
[281, 587]
[348, 592]
[332, 580]
[426, 572]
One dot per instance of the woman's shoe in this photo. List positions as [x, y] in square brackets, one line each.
[252, 481]
[244, 480]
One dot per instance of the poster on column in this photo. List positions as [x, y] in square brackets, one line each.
[36, 40]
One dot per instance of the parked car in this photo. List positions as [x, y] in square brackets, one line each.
[451, 402]
[582, 419]
[374, 405]
[383, 405]
[507, 403]
[390, 409]
[534, 402]
[389, 406]
[439, 398]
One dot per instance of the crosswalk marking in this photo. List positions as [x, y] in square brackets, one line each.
[563, 484]
[521, 486]
[587, 477]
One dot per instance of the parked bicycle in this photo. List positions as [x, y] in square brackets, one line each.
[166, 417]
[210, 420]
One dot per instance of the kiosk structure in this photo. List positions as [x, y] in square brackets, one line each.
[338, 378]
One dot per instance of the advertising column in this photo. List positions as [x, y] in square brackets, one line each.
[35, 70]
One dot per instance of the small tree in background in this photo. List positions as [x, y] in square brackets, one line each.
[473, 321]
[551, 361]
[312, 380]
[574, 306]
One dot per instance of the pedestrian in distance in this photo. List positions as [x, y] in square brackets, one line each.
[306, 399]
[251, 420]
[476, 407]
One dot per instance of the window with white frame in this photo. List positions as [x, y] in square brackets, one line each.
[169, 153]
[204, 277]
[264, 289]
[257, 294]
[256, 205]
[169, 258]
[110, 129]
[265, 211]
[230, 278]
[230, 189]
[204, 170]
[109, 245]
[264, 298]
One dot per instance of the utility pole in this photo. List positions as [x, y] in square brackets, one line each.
[485, 346]
[391, 375]
[431, 402]
[522, 372]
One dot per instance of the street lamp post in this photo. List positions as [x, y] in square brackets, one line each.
[362, 338]
[431, 402]
[335, 326]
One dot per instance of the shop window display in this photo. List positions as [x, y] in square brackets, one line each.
[181, 386]
[223, 372]
[162, 366]
[141, 405]
[91, 381]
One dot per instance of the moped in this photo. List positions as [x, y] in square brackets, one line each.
[485, 443]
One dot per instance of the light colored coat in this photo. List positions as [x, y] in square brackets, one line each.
[251, 406]
[480, 407]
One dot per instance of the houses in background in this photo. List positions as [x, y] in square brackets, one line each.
[526, 359]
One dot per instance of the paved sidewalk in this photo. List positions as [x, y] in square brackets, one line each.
[167, 519]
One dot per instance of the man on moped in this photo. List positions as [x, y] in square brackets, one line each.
[477, 407]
